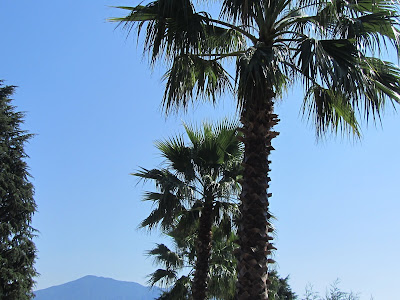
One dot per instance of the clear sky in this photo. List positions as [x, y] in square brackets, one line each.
[95, 106]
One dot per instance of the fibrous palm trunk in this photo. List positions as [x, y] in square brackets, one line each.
[199, 287]
[254, 227]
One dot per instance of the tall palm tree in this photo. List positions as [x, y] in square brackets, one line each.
[197, 187]
[331, 47]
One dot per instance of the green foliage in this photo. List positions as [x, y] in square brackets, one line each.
[17, 250]
[331, 46]
[209, 161]
[196, 189]
[279, 288]
[222, 272]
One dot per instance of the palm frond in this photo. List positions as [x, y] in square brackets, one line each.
[163, 277]
[168, 209]
[162, 255]
[179, 291]
[243, 12]
[192, 77]
[259, 73]
[223, 264]
[341, 81]
[137, 13]
[221, 41]
[164, 181]
[329, 61]
[330, 110]
[172, 27]
[168, 202]
[382, 81]
[178, 156]
[372, 31]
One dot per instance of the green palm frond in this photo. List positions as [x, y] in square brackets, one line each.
[185, 240]
[210, 161]
[326, 61]
[226, 214]
[341, 81]
[259, 72]
[178, 156]
[223, 264]
[165, 214]
[163, 277]
[215, 146]
[172, 27]
[383, 82]
[221, 40]
[192, 77]
[364, 6]
[244, 12]
[165, 181]
[169, 202]
[330, 110]
[179, 291]
[163, 177]
[229, 146]
[137, 13]
[325, 42]
[162, 255]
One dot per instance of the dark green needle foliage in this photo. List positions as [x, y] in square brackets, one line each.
[279, 288]
[17, 250]
[330, 48]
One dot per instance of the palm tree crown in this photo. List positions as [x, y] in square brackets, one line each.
[331, 47]
[197, 189]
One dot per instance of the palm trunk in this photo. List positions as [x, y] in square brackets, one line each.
[254, 227]
[199, 287]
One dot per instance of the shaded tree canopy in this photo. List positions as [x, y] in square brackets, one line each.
[197, 189]
[17, 205]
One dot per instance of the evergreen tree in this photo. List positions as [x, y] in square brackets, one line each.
[17, 250]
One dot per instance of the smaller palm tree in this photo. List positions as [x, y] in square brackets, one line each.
[182, 258]
[222, 267]
[198, 185]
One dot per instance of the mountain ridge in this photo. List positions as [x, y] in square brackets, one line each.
[91, 287]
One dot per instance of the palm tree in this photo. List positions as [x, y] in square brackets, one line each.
[198, 187]
[221, 273]
[331, 47]
[222, 270]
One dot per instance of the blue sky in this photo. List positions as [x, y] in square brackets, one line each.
[95, 106]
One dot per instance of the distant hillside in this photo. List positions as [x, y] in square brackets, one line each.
[98, 288]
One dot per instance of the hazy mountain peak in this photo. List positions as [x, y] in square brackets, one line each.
[92, 287]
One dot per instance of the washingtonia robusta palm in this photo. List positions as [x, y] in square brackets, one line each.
[331, 47]
[222, 272]
[196, 189]
[177, 265]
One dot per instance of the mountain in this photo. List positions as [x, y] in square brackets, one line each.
[98, 288]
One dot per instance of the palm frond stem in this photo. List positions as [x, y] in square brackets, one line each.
[236, 28]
